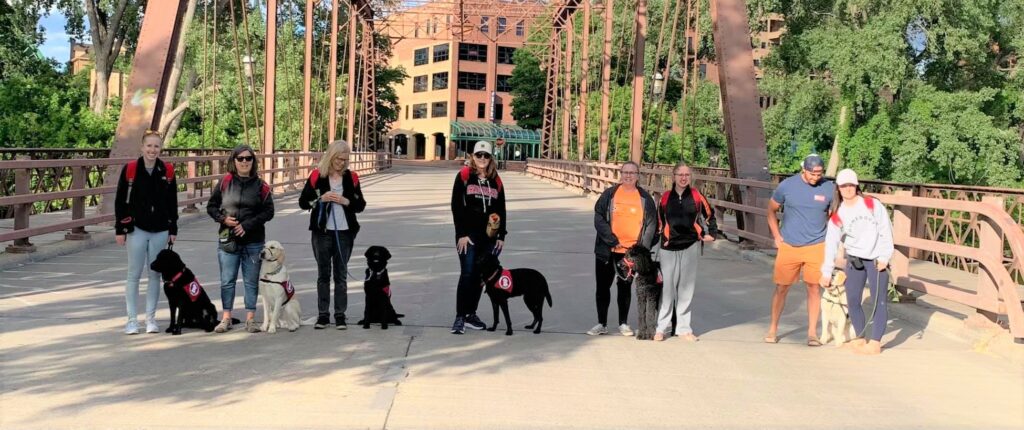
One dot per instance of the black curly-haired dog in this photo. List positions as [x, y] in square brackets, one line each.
[190, 306]
[638, 263]
[501, 284]
[377, 289]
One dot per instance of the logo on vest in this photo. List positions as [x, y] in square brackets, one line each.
[193, 289]
[505, 281]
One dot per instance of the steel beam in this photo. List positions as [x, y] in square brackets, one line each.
[567, 91]
[307, 77]
[350, 112]
[636, 144]
[581, 123]
[606, 76]
[270, 84]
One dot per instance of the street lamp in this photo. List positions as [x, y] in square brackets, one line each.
[659, 83]
[247, 66]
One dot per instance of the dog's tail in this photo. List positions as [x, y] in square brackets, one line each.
[548, 295]
[308, 321]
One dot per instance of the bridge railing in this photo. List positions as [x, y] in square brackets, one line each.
[77, 184]
[966, 228]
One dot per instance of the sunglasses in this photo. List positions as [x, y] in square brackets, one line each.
[246, 158]
[482, 155]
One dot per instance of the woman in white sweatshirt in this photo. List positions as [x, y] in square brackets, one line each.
[862, 226]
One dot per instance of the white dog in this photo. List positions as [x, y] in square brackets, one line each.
[280, 306]
[835, 312]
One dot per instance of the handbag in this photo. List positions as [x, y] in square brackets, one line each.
[226, 241]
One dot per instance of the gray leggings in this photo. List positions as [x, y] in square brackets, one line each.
[855, 280]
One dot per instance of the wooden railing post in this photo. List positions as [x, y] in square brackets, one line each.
[22, 211]
[899, 265]
[990, 244]
[190, 188]
[78, 182]
[918, 222]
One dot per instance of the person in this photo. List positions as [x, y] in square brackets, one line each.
[624, 215]
[335, 197]
[684, 218]
[398, 151]
[805, 200]
[241, 203]
[146, 220]
[861, 225]
[478, 194]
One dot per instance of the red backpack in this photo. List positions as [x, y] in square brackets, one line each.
[314, 176]
[133, 167]
[868, 201]
[467, 171]
[226, 181]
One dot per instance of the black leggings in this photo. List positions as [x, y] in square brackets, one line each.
[604, 271]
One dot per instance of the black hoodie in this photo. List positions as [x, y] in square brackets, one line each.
[249, 200]
[310, 199]
[151, 203]
[473, 201]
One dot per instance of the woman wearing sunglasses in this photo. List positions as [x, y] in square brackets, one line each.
[241, 203]
[146, 209]
[477, 197]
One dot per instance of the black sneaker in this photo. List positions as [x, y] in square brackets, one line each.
[459, 327]
[339, 323]
[321, 323]
[473, 322]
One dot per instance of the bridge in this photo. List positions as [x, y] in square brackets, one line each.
[65, 363]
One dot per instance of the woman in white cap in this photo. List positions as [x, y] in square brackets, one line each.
[477, 197]
[862, 226]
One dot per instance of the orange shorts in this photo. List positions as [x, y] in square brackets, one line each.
[791, 259]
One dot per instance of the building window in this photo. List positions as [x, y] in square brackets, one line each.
[520, 29]
[406, 111]
[764, 45]
[502, 25]
[499, 111]
[460, 109]
[439, 109]
[757, 63]
[440, 81]
[481, 110]
[441, 53]
[419, 84]
[485, 24]
[473, 52]
[421, 57]
[472, 81]
[702, 70]
[505, 54]
[419, 111]
[504, 84]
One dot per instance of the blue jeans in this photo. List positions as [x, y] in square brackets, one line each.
[143, 246]
[248, 257]
[332, 255]
[467, 296]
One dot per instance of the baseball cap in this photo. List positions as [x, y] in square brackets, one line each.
[812, 161]
[482, 146]
[847, 176]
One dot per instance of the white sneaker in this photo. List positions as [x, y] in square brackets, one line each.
[151, 326]
[597, 330]
[625, 330]
[132, 327]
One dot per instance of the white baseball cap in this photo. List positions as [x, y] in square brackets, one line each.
[847, 176]
[482, 146]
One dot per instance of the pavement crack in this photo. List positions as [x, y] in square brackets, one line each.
[398, 381]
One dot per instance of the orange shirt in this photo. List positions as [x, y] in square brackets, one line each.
[627, 218]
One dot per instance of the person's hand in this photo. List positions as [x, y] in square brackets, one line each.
[498, 246]
[120, 239]
[330, 196]
[779, 242]
[463, 244]
[230, 221]
[343, 201]
[708, 238]
[239, 231]
[881, 265]
[172, 238]
[826, 281]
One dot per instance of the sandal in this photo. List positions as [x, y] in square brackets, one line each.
[771, 338]
[813, 341]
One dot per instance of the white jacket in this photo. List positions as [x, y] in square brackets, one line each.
[864, 233]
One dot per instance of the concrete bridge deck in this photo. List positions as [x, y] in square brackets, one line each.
[65, 364]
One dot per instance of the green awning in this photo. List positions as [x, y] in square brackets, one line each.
[465, 130]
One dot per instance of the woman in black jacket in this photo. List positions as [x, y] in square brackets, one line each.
[477, 197]
[332, 192]
[241, 203]
[146, 213]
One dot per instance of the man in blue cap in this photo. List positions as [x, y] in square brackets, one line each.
[805, 200]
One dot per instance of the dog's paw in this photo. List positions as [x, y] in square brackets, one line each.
[528, 326]
[383, 326]
[169, 329]
[271, 330]
[508, 332]
[536, 331]
[176, 332]
[363, 322]
[492, 328]
[365, 326]
[396, 322]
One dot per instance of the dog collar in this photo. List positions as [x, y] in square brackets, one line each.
[175, 277]
[276, 271]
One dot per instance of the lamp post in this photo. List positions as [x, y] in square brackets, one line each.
[659, 84]
[247, 67]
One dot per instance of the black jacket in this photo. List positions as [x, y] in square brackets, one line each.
[310, 199]
[153, 201]
[606, 240]
[249, 200]
[677, 219]
[473, 201]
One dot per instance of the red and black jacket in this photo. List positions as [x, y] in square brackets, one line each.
[678, 221]
[148, 201]
[318, 185]
[473, 200]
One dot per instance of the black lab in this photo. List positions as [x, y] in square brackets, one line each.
[638, 263]
[378, 290]
[190, 306]
[501, 284]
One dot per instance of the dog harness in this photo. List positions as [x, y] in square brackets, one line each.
[193, 289]
[375, 275]
[503, 282]
[289, 289]
[630, 273]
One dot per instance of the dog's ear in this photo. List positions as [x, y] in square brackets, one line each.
[386, 255]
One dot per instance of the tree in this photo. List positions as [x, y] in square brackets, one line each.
[528, 90]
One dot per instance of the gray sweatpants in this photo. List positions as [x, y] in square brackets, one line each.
[679, 272]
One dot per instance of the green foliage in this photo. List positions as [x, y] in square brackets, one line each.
[528, 82]
[803, 123]
[52, 113]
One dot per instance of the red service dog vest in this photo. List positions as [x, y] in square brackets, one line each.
[193, 289]
[289, 290]
[505, 281]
